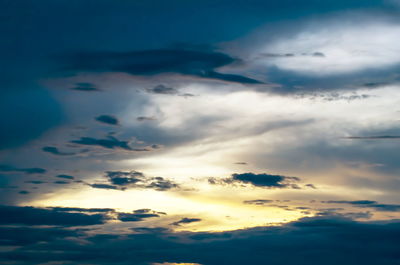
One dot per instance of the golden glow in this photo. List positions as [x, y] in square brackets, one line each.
[217, 213]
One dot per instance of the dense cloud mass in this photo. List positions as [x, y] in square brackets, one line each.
[322, 240]
[13, 215]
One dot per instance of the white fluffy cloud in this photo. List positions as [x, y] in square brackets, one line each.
[338, 47]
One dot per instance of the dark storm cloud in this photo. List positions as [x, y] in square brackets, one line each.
[33, 170]
[123, 180]
[85, 87]
[54, 150]
[138, 215]
[150, 62]
[110, 143]
[324, 240]
[370, 204]
[161, 89]
[186, 220]
[259, 180]
[107, 119]
[14, 215]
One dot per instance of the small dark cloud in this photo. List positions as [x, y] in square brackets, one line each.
[13, 215]
[85, 87]
[312, 186]
[54, 150]
[23, 192]
[258, 202]
[144, 118]
[61, 182]
[186, 220]
[65, 176]
[137, 215]
[105, 186]
[259, 180]
[186, 95]
[162, 89]
[108, 119]
[37, 182]
[318, 54]
[33, 170]
[240, 163]
[122, 180]
[150, 230]
[110, 143]
[161, 184]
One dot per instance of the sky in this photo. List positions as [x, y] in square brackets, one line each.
[200, 132]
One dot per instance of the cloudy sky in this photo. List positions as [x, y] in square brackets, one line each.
[200, 132]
